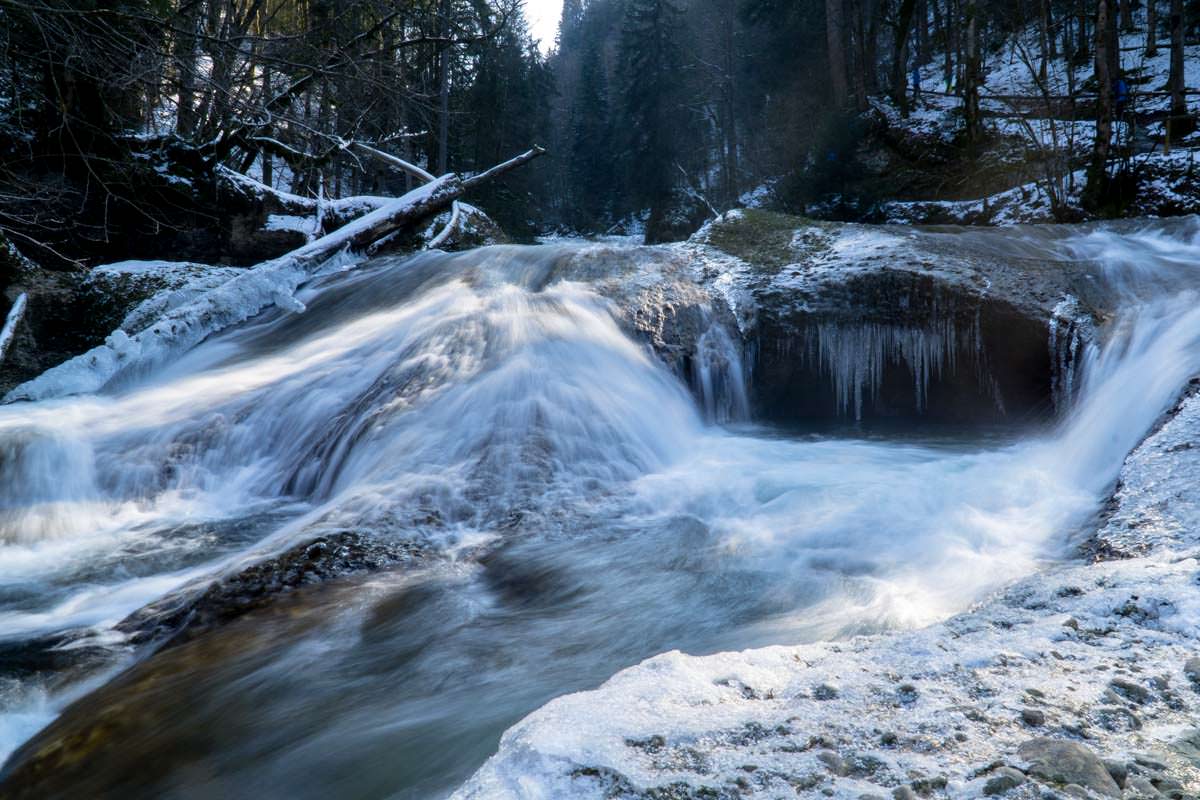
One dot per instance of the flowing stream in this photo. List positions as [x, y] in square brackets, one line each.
[574, 510]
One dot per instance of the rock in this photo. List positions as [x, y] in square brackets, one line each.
[1133, 692]
[816, 305]
[1033, 717]
[1140, 788]
[1002, 780]
[1191, 668]
[183, 615]
[824, 692]
[1169, 787]
[1188, 745]
[1149, 762]
[927, 786]
[1060, 762]
[833, 762]
[903, 793]
[1118, 719]
[1118, 770]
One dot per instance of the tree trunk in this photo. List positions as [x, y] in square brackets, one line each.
[444, 92]
[1046, 39]
[900, 54]
[835, 31]
[1097, 173]
[872, 46]
[1081, 50]
[185, 65]
[922, 28]
[728, 110]
[268, 171]
[1151, 28]
[971, 77]
[859, 50]
[1178, 126]
[1126, 15]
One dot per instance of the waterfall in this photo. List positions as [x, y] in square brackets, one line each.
[587, 502]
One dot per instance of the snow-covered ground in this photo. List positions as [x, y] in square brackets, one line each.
[1167, 184]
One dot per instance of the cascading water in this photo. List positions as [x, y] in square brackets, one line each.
[579, 510]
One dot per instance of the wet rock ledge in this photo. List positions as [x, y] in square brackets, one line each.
[1080, 682]
[862, 322]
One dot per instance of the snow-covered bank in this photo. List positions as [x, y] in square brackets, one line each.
[1083, 678]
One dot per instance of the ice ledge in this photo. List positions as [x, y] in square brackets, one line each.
[1092, 654]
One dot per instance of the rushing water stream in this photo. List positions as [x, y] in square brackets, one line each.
[576, 510]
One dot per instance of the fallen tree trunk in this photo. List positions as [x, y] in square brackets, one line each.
[421, 202]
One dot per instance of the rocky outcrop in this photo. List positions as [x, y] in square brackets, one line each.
[859, 323]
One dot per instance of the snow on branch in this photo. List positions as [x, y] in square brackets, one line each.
[440, 239]
[395, 161]
[9, 332]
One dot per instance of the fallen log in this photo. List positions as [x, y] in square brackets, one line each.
[424, 201]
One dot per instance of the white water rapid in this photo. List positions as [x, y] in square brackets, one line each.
[578, 509]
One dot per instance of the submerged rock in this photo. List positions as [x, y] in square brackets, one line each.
[188, 613]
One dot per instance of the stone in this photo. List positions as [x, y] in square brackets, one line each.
[1169, 787]
[1191, 669]
[927, 786]
[1133, 692]
[1002, 780]
[1061, 762]
[833, 762]
[1118, 719]
[1141, 788]
[824, 692]
[903, 793]
[1118, 770]
[1033, 717]
[1149, 762]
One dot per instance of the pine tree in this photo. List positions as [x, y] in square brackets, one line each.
[591, 147]
[651, 67]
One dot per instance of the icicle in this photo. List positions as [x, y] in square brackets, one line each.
[855, 356]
